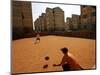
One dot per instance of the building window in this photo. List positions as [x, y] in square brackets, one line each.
[83, 6]
[93, 14]
[93, 7]
[84, 16]
[16, 13]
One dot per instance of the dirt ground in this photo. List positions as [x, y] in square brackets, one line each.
[28, 56]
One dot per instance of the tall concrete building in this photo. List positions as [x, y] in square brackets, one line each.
[66, 26]
[40, 23]
[69, 23]
[75, 21]
[58, 19]
[88, 17]
[21, 18]
[27, 17]
[52, 20]
[17, 22]
[49, 19]
[44, 22]
[36, 24]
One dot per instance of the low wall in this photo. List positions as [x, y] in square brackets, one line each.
[81, 34]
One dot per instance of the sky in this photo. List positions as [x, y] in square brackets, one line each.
[38, 8]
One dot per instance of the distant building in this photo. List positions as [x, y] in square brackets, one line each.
[44, 21]
[49, 19]
[21, 18]
[52, 20]
[44, 26]
[59, 23]
[36, 24]
[40, 23]
[69, 23]
[66, 27]
[88, 17]
[75, 21]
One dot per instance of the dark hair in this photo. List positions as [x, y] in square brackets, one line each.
[47, 58]
[64, 50]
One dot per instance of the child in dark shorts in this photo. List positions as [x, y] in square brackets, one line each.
[37, 38]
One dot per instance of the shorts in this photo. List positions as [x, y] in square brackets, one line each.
[66, 67]
[37, 38]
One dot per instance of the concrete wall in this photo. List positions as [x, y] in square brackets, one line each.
[52, 20]
[36, 24]
[66, 26]
[88, 17]
[69, 23]
[21, 19]
[17, 24]
[75, 21]
[59, 19]
[44, 22]
[27, 16]
[49, 19]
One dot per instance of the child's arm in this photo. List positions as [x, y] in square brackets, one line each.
[62, 61]
[56, 64]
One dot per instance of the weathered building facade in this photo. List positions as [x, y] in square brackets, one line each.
[44, 26]
[88, 17]
[21, 18]
[69, 23]
[40, 23]
[66, 26]
[49, 19]
[36, 23]
[75, 21]
[58, 19]
[17, 24]
[52, 20]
